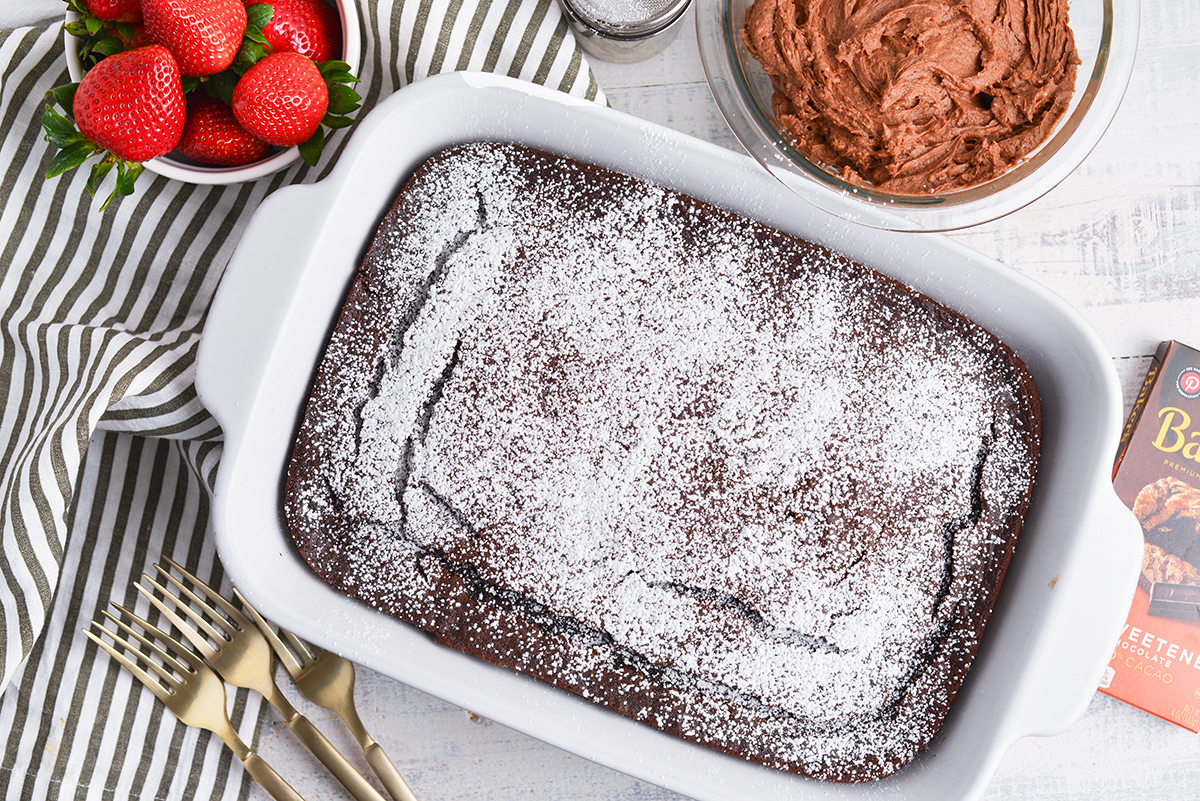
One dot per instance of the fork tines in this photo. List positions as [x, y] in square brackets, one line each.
[294, 654]
[185, 684]
[235, 647]
[169, 668]
[226, 624]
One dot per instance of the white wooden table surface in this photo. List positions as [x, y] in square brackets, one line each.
[1119, 239]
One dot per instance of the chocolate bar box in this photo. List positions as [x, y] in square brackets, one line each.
[1156, 663]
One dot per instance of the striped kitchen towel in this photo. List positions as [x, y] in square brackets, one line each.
[106, 455]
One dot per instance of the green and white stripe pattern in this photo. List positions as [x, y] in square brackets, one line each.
[106, 455]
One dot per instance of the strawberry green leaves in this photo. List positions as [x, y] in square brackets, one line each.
[77, 148]
[343, 101]
[61, 132]
[98, 37]
[170, 71]
[255, 46]
[127, 109]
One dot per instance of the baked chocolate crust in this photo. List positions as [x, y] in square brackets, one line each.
[711, 476]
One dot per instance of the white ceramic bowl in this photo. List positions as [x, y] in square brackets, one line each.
[1068, 588]
[1106, 35]
[176, 166]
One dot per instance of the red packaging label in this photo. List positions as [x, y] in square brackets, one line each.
[1156, 663]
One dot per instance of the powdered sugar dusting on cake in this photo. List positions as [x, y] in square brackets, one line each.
[733, 467]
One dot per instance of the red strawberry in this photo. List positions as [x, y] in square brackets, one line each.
[212, 135]
[129, 108]
[116, 10]
[281, 99]
[139, 38]
[309, 27]
[132, 104]
[203, 35]
[130, 36]
[103, 27]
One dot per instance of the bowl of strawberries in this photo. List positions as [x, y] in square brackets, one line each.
[203, 91]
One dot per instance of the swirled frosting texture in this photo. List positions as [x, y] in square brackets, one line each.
[916, 96]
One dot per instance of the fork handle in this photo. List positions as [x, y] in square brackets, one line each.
[387, 772]
[332, 759]
[271, 781]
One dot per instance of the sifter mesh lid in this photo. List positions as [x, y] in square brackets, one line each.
[630, 15]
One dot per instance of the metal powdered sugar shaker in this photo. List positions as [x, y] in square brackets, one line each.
[624, 30]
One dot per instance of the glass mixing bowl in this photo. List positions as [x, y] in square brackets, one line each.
[1106, 33]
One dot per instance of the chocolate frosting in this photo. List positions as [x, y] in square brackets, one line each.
[916, 96]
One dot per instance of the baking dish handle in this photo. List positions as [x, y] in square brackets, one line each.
[240, 334]
[1092, 598]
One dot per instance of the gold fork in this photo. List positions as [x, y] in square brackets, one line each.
[188, 687]
[236, 649]
[327, 680]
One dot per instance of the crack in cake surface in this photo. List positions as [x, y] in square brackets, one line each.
[726, 601]
[437, 274]
[751, 489]
[620, 656]
[951, 528]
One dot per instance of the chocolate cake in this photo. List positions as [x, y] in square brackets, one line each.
[711, 476]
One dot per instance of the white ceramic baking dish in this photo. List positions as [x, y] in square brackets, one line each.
[1070, 583]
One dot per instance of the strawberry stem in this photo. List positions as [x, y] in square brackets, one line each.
[343, 101]
[98, 38]
[310, 150]
[255, 46]
[75, 149]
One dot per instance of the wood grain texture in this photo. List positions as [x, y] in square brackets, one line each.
[1119, 239]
